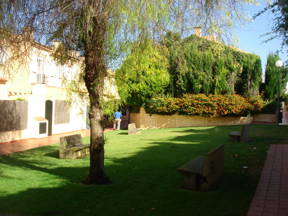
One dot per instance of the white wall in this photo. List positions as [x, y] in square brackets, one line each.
[77, 119]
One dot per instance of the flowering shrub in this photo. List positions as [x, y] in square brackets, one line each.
[258, 103]
[199, 104]
[232, 105]
[203, 105]
[162, 105]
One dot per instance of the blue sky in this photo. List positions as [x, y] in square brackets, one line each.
[249, 35]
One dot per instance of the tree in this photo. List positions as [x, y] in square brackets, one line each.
[98, 29]
[280, 11]
[279, 8]
[143, 74]
[271, 86]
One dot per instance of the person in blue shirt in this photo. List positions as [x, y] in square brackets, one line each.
[117, 120]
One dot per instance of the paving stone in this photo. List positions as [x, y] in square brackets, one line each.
[272, 186]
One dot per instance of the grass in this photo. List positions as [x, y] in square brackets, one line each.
[143, 170]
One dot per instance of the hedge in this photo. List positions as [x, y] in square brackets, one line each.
[205, 105]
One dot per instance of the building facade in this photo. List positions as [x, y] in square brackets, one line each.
[34, 98]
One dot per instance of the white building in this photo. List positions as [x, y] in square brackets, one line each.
[34, 101]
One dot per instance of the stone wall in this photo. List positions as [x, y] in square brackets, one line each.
[265, 118]
[145, 120]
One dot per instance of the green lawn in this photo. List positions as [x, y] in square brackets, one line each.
[143, 170]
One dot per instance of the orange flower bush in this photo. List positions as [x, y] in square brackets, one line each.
[258, 103]
[203, 105]
[162, 105]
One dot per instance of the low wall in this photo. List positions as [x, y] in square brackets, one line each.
[13, 135]
[144, 120]
[265, 118]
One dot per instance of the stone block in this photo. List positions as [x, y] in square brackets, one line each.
[71, 147]
[204, 172]
[132, 129]
[240, 136]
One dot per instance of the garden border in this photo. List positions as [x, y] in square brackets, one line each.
[145, 120]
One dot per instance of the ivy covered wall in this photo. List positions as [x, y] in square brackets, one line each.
[193, 65]
[198, 65]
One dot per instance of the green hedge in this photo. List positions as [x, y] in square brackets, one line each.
[203, 105]
[198, 65]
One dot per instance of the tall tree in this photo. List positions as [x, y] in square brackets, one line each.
[272, 74]
[143, 74]
[98, 29]
[279, 8]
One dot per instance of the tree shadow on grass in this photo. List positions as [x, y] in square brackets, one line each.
[144, 183]
[53, 154]
[123, 132]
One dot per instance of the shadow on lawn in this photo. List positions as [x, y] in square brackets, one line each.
[143, 184]
[53, 154]
[123, 133]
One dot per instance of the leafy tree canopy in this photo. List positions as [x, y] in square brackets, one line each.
[279, 8]
[143, 74]
[275, 78]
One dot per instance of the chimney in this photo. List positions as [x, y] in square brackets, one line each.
[198, 31]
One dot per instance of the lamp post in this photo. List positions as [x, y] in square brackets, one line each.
[278, 64]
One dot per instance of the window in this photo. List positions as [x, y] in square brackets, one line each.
[62, 112]
[40, 66]
[40, 75]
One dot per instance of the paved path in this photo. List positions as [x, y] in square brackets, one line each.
[25, 144]
[271, 196]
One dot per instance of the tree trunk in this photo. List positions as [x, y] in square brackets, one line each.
[95, 72]
[96, 172]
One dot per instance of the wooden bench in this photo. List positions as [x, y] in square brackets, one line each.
[71, 147]
[240, 136]
[204, 172]
[132, 129]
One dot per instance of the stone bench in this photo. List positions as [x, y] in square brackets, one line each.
[204, 172]
[132, 129]
[240, 136]
[71, 147]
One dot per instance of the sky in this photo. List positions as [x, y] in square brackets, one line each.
[250, 35]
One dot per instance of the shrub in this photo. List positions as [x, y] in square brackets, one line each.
[270, 107]
[231, 105]
[199, 104]
[162, 105]
[203, 105]
[258, 104]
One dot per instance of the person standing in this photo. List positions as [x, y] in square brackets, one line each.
[117, 120]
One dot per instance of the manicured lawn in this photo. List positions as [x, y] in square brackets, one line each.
[143, 170]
